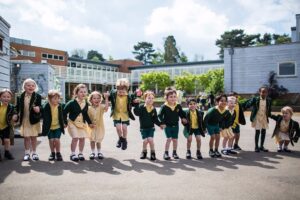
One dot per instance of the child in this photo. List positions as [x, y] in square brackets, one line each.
[53, 124]
[212, 120]
[78, 116]
[121, 104]
[286, 130]
[148, 117]
[226, 124]
[194, 126]
[95, 112]
[29, 109]
[239, 119]
[169, 115]
[6, 126]
[261, 110]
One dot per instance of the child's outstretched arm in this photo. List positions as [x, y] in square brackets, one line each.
[136, 110]
[182, 115]
[249, 103]
[106, 96]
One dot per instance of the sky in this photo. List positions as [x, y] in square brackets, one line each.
[113, 27]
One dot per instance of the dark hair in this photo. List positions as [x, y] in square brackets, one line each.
[169, 91]
[191, 99]
[232, 94]
[219, 97]
[263, 86]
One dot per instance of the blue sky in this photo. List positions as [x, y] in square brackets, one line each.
[113, 27]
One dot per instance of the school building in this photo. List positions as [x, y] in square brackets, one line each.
[4, 54]
[246, 69]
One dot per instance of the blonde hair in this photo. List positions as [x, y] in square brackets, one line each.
[94, 93]
[53, 93]
[77, 88]
[231, 99]
[6, 90]
[29, 80]
[287, 109]
[122, 82]
[148, 93]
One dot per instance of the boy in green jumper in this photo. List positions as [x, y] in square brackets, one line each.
[194, 126]
[148, 117]
[212, 120]
[169, 115]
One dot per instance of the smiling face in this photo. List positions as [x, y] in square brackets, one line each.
[95, 100]
[263, 92]
[5, 98]
[172, 98]
[286, 115]
[192, 105]
[55, 100]
[222, 103]
[149, 100]
[29, 87]
[81, 94]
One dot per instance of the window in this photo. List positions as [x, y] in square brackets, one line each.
[1, 43]
[55, 57]
[50, 56]
[44, 55]
[286, 69]
[61, 58]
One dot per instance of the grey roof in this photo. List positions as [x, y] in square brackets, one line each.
[92, 62]
[5, 22]
[179, 64]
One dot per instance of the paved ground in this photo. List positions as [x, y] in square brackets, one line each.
[122, 175]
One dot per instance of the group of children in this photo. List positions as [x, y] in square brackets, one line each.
[83, 117]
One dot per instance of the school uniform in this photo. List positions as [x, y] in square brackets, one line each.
[97, 133]
[285, 131]
[29, 120]
[121, 107]
[169, 115]
[261, 110]
[239, 118]
[78, 117]
[53, 121]
[147, 117]
[6, 126]
[226, 124]
[195, 123]
[214, 118]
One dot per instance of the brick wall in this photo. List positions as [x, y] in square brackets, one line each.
[124, 64]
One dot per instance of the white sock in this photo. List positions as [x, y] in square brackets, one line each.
[93, 150]
[73, 153]
[27, 152]
[99, 150]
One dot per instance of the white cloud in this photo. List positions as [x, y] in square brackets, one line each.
[188, 17]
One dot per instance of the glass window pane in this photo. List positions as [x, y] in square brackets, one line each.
[287, 69]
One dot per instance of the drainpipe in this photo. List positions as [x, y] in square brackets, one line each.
[231, 52]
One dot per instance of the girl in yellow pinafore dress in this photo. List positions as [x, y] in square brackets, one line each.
[95, 112]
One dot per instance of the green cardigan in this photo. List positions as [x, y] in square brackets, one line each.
[73, 109]
[214, 117]
[147, 120]
[9, 114]
[36, 100]
[113, 100]
[47, 118]
[254, 103]
[170, 117]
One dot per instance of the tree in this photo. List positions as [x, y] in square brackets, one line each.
[158, 58]
[183, 58]
[281, 39]
[95, 55]
[171, 52]
[186, 82]
[265, 40]
[155, 81]
[144, 52]
[275, 90]
[78, 53]
[216, 82]
[235, 38]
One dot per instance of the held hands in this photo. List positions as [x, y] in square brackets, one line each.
[65, 126]
[15, 118]
[92, 125]
[162, 126]
[137, 101]
[184, 121]
[36, 109]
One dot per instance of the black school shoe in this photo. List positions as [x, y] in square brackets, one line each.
[81, 157]
[143, 155]
[100, 156]
[217, 153]
[257, 150]
[224, 151]
[199, 155]
[263, 149]
[166, 156]
[237, 147]
[231, 152]
[188, 154]
[119, 143]
[287, 150]
[74, 158]
[124, 144]
[212, 154]
[175, 156]
[152, 156]
[52, 156]
[8, 155]
[59, 156]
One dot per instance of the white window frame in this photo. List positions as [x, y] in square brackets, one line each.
[294, 75]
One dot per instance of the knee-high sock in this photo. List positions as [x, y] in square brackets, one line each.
[262, 138]
[257, 132]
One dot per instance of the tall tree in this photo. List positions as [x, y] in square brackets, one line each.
[155, 81]
[235, 38]
[171, 51]
[144, 52]
[78, 53]
[158, 58]
[183, 58]
[281, 39]
[95, 55]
